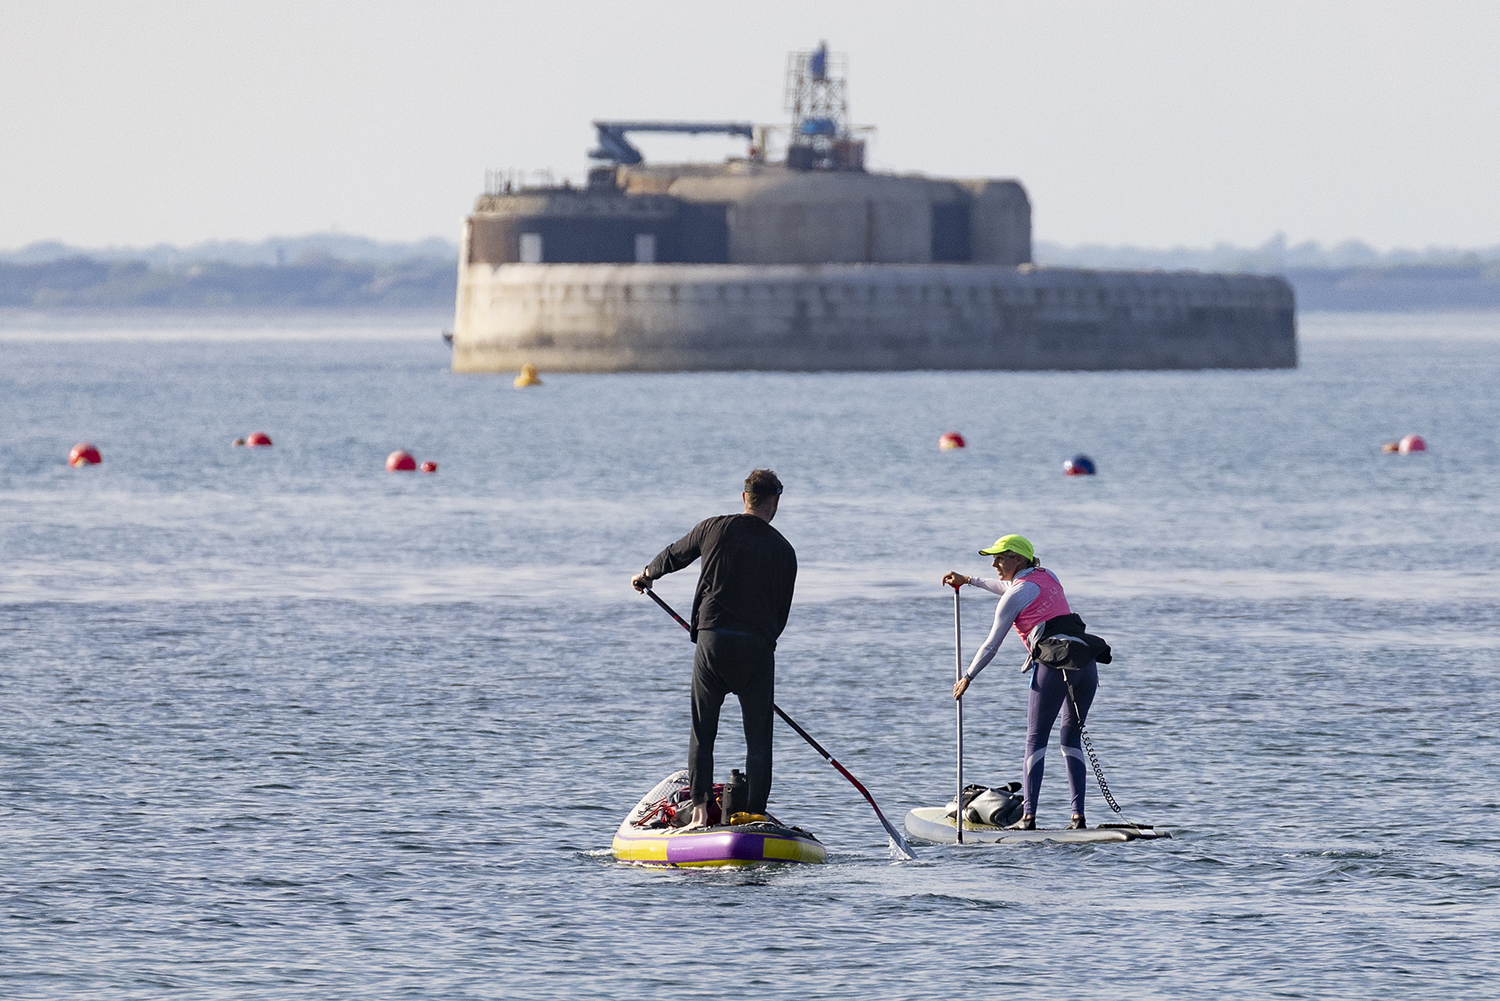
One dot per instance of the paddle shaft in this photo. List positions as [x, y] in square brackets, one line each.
[668, 609]
[958, 674]
[890, 828]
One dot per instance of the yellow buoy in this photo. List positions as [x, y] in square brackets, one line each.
[527, 377]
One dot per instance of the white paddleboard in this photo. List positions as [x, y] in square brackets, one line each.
[932, 823]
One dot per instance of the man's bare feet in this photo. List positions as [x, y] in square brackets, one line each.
[698, 819]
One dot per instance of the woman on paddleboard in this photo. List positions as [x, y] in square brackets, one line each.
[1032, 601]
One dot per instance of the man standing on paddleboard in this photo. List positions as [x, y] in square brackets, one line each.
[739, 610]
[1032, 600]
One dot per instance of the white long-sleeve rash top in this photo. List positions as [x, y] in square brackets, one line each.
[1014, 597]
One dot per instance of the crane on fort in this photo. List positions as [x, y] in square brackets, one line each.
[614, 147]
[821, 136]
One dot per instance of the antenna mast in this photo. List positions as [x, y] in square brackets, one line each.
[817, 97]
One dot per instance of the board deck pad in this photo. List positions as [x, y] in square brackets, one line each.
[932, 823]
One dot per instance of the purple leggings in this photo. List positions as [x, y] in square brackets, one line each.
[1049, 693]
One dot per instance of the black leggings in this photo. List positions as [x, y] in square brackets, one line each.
[745, 665]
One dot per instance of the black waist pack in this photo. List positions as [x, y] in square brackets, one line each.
[1069, 654]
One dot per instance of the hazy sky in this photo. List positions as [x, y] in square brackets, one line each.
[1153, 123]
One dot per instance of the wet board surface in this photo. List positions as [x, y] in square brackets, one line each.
[931, 823]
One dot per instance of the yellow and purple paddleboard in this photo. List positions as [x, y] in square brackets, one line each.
[648, 837]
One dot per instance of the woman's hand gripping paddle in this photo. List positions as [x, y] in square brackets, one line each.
[896, 838]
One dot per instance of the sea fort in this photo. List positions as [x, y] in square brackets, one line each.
[810, 262]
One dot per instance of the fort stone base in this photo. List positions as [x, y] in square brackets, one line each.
[864, 317]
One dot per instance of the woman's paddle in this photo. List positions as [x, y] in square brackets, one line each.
[958, 674]
[896, 838]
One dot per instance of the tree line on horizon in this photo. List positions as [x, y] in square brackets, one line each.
[332, 271]
[309, 283]
[1276, 255]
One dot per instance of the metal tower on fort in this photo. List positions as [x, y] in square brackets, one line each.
[817, 97]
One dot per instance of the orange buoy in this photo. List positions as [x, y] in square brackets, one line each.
[84, 454]
[527, 377]
[429, 467]
[259, 440]
[1391, 446]
[1411, 443]
[950, 440]
[400, 461]
[237, 442]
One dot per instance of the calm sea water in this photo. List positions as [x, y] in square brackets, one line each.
[277, 724]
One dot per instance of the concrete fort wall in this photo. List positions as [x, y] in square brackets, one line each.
[788, 217]
[756, 214]
[861, 317]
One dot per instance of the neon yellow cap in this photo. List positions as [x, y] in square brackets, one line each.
[1010, 544]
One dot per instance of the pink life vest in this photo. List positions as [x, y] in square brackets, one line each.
[1048, 605]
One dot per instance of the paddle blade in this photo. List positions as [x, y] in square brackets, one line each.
[898, 843]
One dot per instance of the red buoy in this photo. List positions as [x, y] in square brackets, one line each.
[429, 467]
[950, 440]
[84, 454]
[1411, 443]
[400, 461]
[258, 440]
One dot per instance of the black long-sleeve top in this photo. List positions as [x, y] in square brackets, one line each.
[749, 571]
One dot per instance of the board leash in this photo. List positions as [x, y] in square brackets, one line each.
[1088, 745]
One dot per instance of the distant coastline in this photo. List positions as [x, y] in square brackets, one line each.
[85, 283]
[335, 272]
[1349, 277]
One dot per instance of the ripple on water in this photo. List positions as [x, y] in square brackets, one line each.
[281, 726]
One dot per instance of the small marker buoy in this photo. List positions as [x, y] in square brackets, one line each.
[84, 454]
[258, 440]
[1411, 443]
[237, 442]
[400, 461]
[949, 440]
[527, 377]
[1391, 446]
[1079, 465]
[429, 467]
